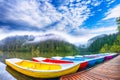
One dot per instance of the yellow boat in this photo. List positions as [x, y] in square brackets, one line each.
[40, 69]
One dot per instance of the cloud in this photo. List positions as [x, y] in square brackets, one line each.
[104, 30]
[113, 13]
[83, 34]
[73, 16]
[40, 14]
[68, 18]
[31, 12]
[110, 1]
[96, 2]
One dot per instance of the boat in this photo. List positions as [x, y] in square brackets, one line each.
[108, 57]
[38, 59]
[96, 59]
[41, 70]
[89, 61]
[83, 65]
[83, 61]
[56, 57]
[48, 60]
[99, 59]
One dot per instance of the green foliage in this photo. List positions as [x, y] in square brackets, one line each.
[105, 49]
[100, 44]
[110, 43]
[46, 48]
[115, 48]
[118, 23]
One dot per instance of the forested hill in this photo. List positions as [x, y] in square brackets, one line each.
[99, 44]
[109, 43]
[18, 44]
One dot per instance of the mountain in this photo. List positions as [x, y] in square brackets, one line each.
[17, 39]
[96, 37]
[98, 43]
[90, 41]
[42, 44]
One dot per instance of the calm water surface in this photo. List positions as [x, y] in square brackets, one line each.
[7, 73]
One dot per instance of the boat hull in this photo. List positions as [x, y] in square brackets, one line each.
[83, 65]
[108, 58]
[42, 74]
[99, 60]
[91, 63]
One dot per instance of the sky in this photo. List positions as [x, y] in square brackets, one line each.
[76, 21]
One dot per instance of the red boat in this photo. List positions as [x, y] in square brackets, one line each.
[83, 65]
[48, 60]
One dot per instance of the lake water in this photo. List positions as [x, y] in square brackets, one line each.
[7, 73]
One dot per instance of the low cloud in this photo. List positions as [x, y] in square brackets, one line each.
[113, 13]
[78, 39]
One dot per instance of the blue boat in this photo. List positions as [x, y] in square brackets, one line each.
[91, 62]
[99, 60]
[73, 59]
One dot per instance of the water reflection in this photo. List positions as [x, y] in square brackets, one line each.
[20, 76]
[4, 75]
[15, 74]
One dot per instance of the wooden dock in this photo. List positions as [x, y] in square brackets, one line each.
[109, 70]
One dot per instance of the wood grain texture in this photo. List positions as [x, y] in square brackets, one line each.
[109, 70]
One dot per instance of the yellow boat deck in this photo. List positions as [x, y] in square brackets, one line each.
[38, 66]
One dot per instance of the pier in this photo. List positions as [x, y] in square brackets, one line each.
[109, 70]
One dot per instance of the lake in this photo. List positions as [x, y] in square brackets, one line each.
[7, 73]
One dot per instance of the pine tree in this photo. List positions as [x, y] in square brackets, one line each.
[118, 23]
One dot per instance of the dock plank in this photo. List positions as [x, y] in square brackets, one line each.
[109, 70]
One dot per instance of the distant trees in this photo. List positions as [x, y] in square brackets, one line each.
[48, 47]
[109, 43]
[102, 44]
[116, 46]
[105, 48]
[118, 23]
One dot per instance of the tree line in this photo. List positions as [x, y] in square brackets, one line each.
[109, 43]
[48, 47]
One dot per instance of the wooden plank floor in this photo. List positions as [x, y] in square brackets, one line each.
[109, 70]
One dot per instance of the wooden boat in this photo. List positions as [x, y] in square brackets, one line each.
[108, 57]
[38, 59]
[83, 64]
[48, 60]
[91, 61]
[41, 70]
[83, 61]
[99, 60]
[114, 54]
[57, 57]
